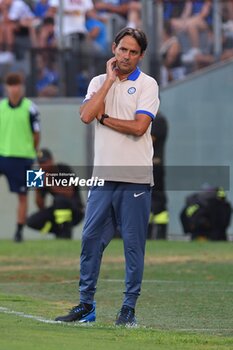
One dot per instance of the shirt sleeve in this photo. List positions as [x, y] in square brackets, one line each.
[34, 118]
[92, 88]
[148, 102]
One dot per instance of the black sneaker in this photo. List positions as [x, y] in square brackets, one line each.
[79, 313]
[126, 317]
[18, 237]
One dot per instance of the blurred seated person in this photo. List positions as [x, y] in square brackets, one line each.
[46, 37]
[207, 58]
[176, 9]
[119, 7]
[206, 215]
[74, 18]
[134, 15]
[114, 12]
[170, 52]
[96, 32]
[41, 8]
[196, 18]
[17, 19]
[47, 76]
[227, 27]
[67, 209]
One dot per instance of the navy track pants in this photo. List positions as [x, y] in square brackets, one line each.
[116, 204]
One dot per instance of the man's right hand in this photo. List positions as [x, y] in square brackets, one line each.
[111, 69]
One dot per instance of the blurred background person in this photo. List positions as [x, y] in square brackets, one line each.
[196, 18]
[46, 36]
[67, 209]
[96, 32]
[74, 18]
[134, 15]
[17, 19]
[41, 8]
[206, 215]
[159, 217]
[19, 140]
[114, 13]
[170, 51]
[47, 76]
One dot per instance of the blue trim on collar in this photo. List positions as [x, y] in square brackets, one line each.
[134, 75]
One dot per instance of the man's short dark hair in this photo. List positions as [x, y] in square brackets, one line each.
[137, 34]
[14, 79]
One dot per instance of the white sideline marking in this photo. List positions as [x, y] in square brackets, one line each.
[22, 314]
[122, 281]
[5, 310]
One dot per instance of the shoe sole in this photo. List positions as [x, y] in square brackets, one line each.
[88, 318]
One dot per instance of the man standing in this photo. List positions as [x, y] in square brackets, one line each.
[122, 102]
[19, 139]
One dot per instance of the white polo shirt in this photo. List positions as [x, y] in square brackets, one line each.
[123, 157]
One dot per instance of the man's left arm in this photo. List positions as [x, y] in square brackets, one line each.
[136, 127]
[147, 107]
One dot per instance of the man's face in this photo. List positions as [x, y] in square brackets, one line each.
[14, 91]
[128, 54]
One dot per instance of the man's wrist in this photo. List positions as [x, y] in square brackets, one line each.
[103, 117]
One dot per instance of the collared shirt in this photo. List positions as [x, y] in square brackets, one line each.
[126, 157]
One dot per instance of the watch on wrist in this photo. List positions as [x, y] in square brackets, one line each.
[104, 116]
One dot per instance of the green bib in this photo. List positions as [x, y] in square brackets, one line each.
[16, 136]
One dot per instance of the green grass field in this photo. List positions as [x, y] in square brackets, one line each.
[186, 301]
